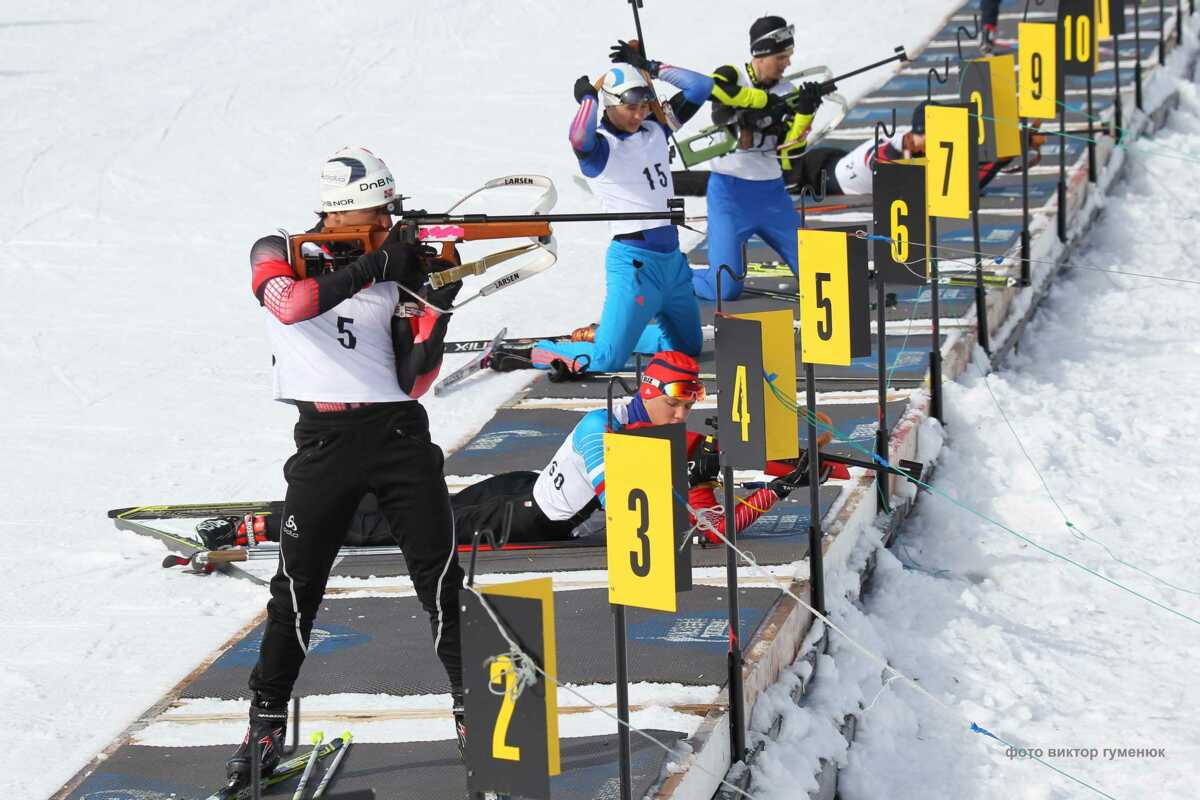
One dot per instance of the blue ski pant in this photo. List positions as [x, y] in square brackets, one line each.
[737, 210]
[641, 284]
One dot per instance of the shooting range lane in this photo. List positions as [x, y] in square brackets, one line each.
[355, 639]
[527, 438]
[398, 771]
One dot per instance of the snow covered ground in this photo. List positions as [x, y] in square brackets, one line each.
[144, 147]
[1099, 404]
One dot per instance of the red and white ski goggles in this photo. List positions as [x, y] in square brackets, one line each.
[687, 389]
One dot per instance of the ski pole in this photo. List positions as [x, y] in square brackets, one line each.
[327, 778]
[308, 768]
[831, 84]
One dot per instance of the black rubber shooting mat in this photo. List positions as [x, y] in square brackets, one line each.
[908, 359]
[401, 771]
[383, 645]
[527, 438]
[911, 301]
[998, 234]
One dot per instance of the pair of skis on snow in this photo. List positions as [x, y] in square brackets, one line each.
[300, 764]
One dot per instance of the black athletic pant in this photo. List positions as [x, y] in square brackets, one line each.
[989, 11]
[384, 449]
[807, 170]
[482, 506]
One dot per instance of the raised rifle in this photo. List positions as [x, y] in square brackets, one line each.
[334, 248]
[728, 134]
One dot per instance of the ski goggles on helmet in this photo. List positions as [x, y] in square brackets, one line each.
[686, 389]
[634, 96]
[775, 41]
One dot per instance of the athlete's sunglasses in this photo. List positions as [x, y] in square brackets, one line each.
[780, 36]
[636, 96]
[677, 390]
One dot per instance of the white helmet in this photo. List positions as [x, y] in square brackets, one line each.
[355, 178]
[624, 85]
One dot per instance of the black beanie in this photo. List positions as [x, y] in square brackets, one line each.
[761, 27]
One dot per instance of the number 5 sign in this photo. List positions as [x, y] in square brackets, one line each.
[835, 322]
[645, 487]
[514, 743]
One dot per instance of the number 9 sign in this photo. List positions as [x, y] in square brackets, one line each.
[1038, 98]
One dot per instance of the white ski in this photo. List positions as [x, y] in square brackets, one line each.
[476, 364]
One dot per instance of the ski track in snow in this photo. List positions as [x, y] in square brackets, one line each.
[1102, 396]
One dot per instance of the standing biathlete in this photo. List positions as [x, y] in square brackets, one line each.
[353, 367]
[746, 191]
[625, 158]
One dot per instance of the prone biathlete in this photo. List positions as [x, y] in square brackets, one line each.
[548, 505]
[625, 157]
[746, 191]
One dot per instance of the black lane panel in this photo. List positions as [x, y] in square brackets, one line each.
[402, 771]
[383, 645]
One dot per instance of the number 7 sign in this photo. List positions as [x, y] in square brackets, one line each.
[951, 156]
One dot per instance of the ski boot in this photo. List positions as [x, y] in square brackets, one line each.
[506, 359]
[268, 722]
[987, 40]
[223, 532]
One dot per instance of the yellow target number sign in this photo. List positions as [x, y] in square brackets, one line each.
[949, 162]
[835, 327]
[1037, 45]
[640, 521]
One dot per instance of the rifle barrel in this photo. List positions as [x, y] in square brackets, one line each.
[900, 55]
[465, 219]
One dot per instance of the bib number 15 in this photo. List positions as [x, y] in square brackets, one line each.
[661, 181]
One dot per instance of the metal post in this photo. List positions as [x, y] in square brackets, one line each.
[1118, 115]
[816, 566]
[935, 350]
[1026, 136]
[623, 752]
[1162, 32]
[1062, 175]
[1179, 21]
[981, 315]
[1137, 52]
[1091, 133]
[882, 481]
[255, 770]
[737, 711]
